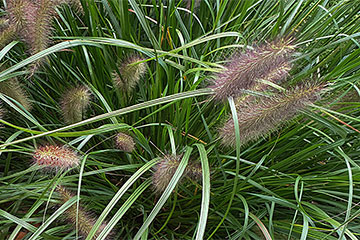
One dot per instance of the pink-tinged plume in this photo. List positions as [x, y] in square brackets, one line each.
[245, 70]
[259, 118]
[55, 157]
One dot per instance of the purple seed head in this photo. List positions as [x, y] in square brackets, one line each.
[74, 103]
[31, 21]
[166, 169]
[55, 157]
[7, 34]
[19, 11]
[38, 28]
[259, 118]
[124, 142]
[130, 73]
[14, 89]
[270, 61]
[84, 219]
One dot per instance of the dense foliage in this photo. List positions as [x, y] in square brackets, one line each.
[176, 119]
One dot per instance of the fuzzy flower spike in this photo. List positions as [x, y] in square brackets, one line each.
[84, 219]
[270, 62]
[55, 157]
[259, 118]
[14, 89]
[74, 103]
[124, 142]
[31, 21]
[130, 73]
[7, 32]
[166, 169]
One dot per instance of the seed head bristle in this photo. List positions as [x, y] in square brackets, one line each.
[31, 21]
[84, 218]
[259, 118]
[4, 21]
[243, 71]
[14, 89]
[55, 157]
[74, 103]
[7, 34]
[194, 171]
[124, 142]
[19, 11]
[166, 169]
[130, 73]
[76, 4]
[38, 28]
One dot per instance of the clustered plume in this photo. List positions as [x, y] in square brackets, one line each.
[130, 73]
[244, 71]
[74, 103]
[124, 142]
[30, 20]
[55, 157]
[84, 219]
[258, 118]
[251, 70]
[14, 89]
[166, 169]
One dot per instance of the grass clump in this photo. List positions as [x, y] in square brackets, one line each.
[230, 95]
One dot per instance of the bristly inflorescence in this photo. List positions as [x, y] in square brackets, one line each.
[166, 169]
[260, 117]
[14, 89]
[56, 157]
[7, 32]
[74, 103]
[31, 21]
[130, 73]
[246, 70]
[83, 219]
[124, 142]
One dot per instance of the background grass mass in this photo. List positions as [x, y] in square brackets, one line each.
[298, 182]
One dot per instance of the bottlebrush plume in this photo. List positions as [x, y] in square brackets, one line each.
[124, 142]
[7, 34]
[130, 73]
[19, 11]
[3, 22]
[31, 21]
[243, 71]
[55, 157]
[275, 76]
[84, 219]
[258, 118]
[38, 29]
[166, 169]
[74, 103]
[14, 89]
